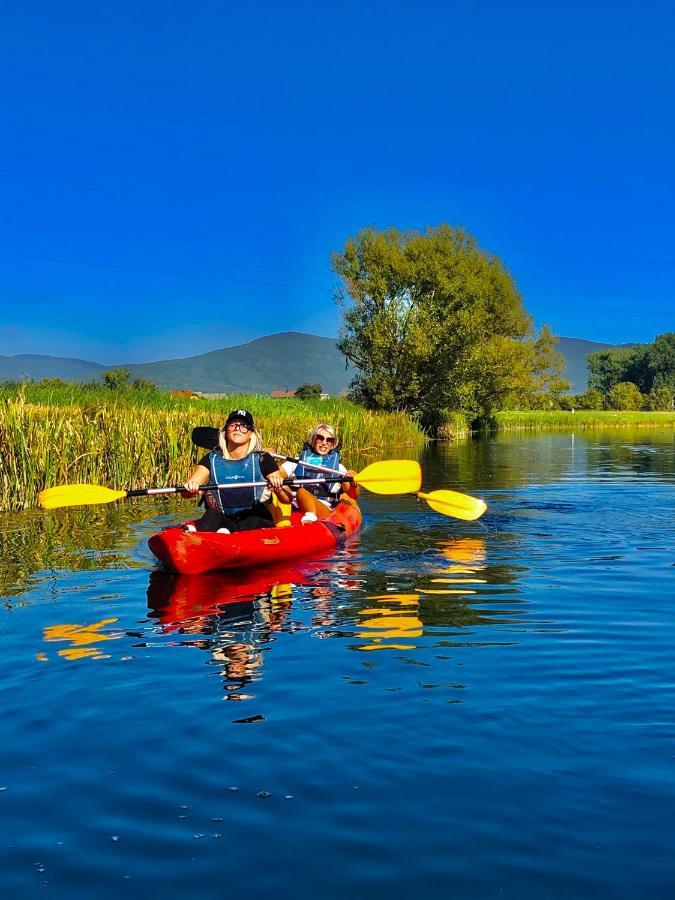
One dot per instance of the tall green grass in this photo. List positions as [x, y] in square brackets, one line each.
[123, 444]
[566, 420]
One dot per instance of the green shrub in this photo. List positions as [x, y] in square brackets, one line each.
[624, 395]
[590, 399]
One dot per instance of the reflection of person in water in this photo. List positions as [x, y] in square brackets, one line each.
[239, 662]
[234, 631]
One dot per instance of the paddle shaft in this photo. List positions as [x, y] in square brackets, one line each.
[307, 465]
[145, 492]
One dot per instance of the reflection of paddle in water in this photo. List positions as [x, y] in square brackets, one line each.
[395, 617]
[80, 637]
[468, 556]
[472, 552]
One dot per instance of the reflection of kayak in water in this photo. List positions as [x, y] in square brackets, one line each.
[173, 598]
[195, 552]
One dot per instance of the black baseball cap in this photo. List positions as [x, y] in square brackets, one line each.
[242, 414]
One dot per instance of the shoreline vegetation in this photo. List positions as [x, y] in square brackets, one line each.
[457, 427]
[582, 419]
[48, 438]
[69, 433]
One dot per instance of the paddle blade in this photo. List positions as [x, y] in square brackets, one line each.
[452, 503]
[391, 476]
[205, 436]
[77, 495]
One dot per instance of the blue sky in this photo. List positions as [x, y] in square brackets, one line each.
[174, 176]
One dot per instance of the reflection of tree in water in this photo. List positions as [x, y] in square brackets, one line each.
[497, 461]
[75, 539]
[638, 453]
[511, 460]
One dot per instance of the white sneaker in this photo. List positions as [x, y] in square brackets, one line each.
[223, 531]
[308, 517]
[189, 528]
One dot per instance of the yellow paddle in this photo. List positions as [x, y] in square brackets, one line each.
[400, 476]
[452, 503]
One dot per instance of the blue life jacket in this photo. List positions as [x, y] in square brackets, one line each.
[230, 471]
[331, 461]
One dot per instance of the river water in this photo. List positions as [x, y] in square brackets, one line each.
[449, 709]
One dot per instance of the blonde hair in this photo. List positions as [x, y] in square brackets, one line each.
[254, 442]
[325, 427]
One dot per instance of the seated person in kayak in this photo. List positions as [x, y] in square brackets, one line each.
[317, 501]
[238, 458]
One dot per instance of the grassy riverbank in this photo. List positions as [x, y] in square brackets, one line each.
[124, 442]
[566, 420]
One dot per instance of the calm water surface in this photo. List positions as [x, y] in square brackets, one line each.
[442, 709]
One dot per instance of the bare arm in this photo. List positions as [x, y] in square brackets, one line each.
[199, 477]
[275, 481]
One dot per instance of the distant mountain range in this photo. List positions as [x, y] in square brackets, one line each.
[276, 362]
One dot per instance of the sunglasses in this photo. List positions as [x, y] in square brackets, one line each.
[321, 438]
[238, 426]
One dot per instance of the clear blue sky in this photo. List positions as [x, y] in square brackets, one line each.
[174, 176]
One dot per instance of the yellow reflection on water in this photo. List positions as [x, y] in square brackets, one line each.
[81, 638]
[447, 591]
[469, 551]
[394, 618]
[468, 557]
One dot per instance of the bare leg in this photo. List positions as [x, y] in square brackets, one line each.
[308, 503]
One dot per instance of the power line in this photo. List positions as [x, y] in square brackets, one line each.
[148, 270]
[625, 310]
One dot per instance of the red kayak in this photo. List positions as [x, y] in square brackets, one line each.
[206, 551]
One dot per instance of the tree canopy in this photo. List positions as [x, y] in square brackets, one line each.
[120, 380]
[432, 323]
[647, 366]
[309, 391]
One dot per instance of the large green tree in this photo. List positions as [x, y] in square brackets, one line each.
[432, 323]
[609, 367]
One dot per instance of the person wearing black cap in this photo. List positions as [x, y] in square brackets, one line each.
[237, 458]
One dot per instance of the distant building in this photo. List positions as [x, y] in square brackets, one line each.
[282, 395]
[189, 394]
[325, 396]
[184, 394]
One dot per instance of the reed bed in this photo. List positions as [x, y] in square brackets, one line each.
[566, 420]
[123, 444]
